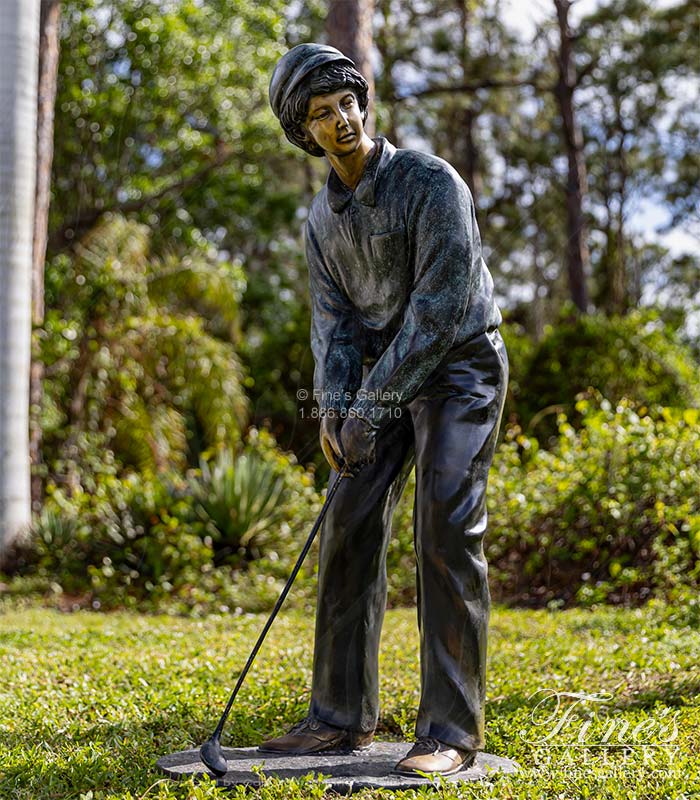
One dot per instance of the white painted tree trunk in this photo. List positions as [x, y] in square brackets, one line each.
[19, 44]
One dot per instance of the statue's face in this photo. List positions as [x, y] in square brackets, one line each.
[334, 122]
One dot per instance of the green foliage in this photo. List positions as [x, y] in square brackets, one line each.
[131, 381]
[163, 117]
[610, 513]
[240, 498]
[636, 356]
[90, 701]
[520, 348]
[276, 349]
[256, 582]
[211, 290]
[163, 541]
[162, 112]
[131, 539]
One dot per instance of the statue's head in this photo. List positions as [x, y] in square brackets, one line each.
[306, 71]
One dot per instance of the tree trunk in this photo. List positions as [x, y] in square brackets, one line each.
[577, 255]
[472, 165]
[537, 308]
[349, 28]
[48, 73]
[387, 90]
[618, 286]
[469, 152]
[619, 299]
[19, 57]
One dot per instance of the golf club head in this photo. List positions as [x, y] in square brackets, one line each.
[213, 758]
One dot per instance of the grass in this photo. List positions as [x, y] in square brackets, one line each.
[89, 701]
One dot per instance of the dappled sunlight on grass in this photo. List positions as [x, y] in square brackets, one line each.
[91, 700]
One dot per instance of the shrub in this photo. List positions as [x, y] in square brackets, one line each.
[635, 356]
[255, 582]
[239, 498]
[610, 513]
[167, 542]
[520, 348]
[302, 501]
[133, 538]
[140, 356]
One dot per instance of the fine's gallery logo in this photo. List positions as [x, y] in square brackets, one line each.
[582, 720]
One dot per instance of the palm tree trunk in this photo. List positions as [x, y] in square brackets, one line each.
[46, 89]
[19, 58]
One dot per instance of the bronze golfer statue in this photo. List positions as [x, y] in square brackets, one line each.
[410, 368]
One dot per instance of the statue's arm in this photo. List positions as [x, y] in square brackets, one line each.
[335, 338]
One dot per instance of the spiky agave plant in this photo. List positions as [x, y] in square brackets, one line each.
[242, 499]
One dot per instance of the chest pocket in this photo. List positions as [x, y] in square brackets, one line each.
[389, 250]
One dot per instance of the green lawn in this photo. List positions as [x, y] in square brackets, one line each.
[89, 701]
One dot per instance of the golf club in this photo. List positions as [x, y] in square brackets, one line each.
[210, 752]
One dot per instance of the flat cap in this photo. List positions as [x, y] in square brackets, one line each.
[295, 65]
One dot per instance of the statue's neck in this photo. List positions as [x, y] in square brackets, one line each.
[349, 168]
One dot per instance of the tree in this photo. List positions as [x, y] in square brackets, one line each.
[639, 123]
[48, 72]
[456, 78]
[349, 28]
[461, 51]
[558, 136]
[567, 81]
[164, 117]
[46, 90]
[568, 78]
[19, 55]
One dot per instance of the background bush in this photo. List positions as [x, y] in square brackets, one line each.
[141, 367]
[637, 357]
[610, 513]
[160, 540]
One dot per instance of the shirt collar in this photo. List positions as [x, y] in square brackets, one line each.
[340, 195]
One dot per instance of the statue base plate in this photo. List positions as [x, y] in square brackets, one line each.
[342, 772]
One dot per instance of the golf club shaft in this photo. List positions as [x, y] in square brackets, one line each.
[278, 604]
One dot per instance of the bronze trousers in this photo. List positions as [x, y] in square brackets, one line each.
[450, 432]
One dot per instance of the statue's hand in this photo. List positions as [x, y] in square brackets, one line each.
[357, 442]
[330, 440]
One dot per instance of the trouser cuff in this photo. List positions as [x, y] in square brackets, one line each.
[452, 736]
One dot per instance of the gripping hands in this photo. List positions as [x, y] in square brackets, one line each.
[347, 444]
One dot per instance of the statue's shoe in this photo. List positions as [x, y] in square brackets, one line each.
[313, 736]
[433, 757]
